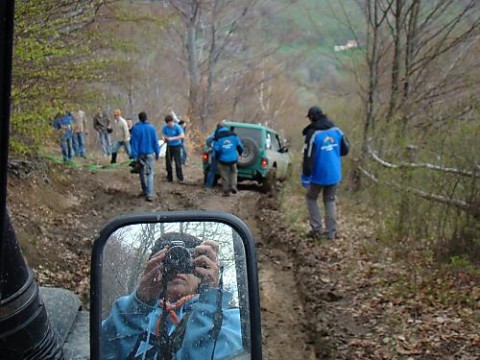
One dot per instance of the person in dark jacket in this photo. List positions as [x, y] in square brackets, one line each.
[175, 315]
[144, 146]
[212, 169]
[101, 123]
[325, 144]
[227, 146]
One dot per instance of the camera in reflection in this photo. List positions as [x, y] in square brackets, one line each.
[178, 260]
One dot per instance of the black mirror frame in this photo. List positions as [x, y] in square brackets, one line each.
[174, 216]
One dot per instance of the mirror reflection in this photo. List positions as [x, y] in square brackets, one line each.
[175, 291]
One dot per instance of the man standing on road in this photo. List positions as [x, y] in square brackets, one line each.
[226, 149]
[325, 144]
[173, 135]
[121, 135]
[144, 146]
[101, 123]
[79, 132]
[63, 123]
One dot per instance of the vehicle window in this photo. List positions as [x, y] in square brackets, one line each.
[268, 141]
[275, 145]
[278, 143]
[255, 134]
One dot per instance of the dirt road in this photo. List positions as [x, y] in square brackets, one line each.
[59, 212]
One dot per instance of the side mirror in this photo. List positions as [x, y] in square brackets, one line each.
[176, 285]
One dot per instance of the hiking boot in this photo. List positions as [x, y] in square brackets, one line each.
[234, 191]
[316, 234]
[225, 194]
[149, 198]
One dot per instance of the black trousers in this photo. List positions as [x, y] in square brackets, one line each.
[174, 153]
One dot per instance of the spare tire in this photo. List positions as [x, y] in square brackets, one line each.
[250, 152]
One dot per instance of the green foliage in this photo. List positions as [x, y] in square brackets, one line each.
[53, 58]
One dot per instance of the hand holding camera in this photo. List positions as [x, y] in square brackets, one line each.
[177, 259]
[150, 286]
[206, 263]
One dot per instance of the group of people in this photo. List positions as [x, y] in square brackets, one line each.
[145, 148]
[226, 147]
[177, 315]
[72, 129]
[324, 146]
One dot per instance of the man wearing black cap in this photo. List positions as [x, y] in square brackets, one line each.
[325, 144]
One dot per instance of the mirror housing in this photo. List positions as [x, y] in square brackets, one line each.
[97, 266]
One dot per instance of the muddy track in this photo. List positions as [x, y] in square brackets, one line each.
[79, 202]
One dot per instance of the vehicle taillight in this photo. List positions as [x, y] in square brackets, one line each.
[264, 162]
[205, 157]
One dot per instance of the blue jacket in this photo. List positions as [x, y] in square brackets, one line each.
[175, 130]
[65, 124]
[325, 144]
[129, 330]
[227, 146]
[144, 140]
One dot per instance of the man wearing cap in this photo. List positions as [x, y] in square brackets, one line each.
[325, 144]
[173, 313]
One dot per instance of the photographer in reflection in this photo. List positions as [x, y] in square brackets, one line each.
[179, 309]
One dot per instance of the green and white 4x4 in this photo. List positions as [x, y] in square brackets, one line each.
[265, 158]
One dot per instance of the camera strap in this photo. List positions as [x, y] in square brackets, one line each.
[218, 316]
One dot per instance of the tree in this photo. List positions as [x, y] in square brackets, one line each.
[419, 80]
[209, 30]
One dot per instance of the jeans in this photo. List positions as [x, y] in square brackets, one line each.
[184, 154]
[212, 170]
[125, 144]
[329, 196]
[146, 174]
[105, 142]
[67, 148]
[79, 144]
[173, 153]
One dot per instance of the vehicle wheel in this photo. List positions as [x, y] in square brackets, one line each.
[270, 181]
[250, 152]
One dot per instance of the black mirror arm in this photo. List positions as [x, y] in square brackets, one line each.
[6, 48]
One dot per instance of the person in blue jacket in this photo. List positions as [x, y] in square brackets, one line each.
[182, 320]
[227, 146]
[325, 144]
[173, 135]
[212, 169]
[144, 147]
[63, 123]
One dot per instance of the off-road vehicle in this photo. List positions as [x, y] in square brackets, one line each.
[265, 157]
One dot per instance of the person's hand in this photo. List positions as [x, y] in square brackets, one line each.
[306, 180]
[206, 263]
[150, 286]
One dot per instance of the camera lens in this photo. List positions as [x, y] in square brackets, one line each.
[177, 261]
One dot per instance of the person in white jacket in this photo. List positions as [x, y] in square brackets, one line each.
[120, 135]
